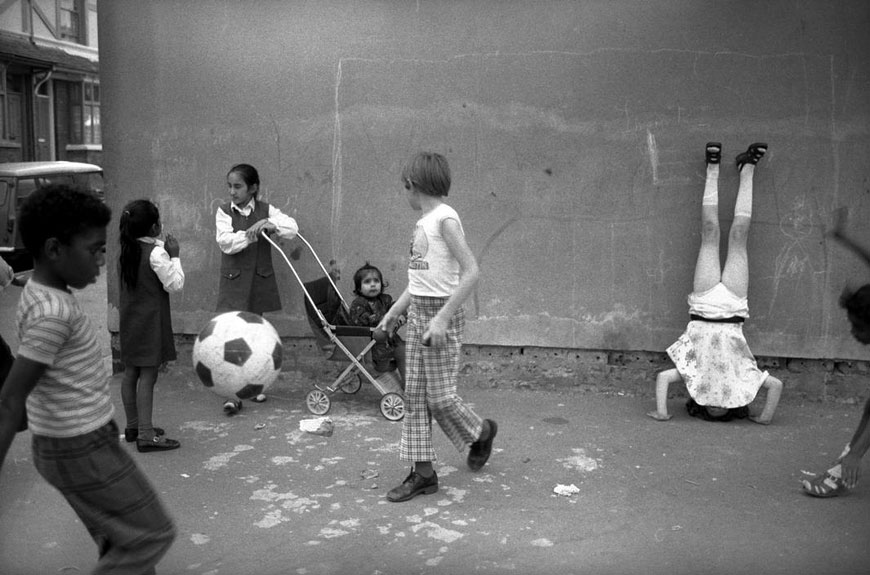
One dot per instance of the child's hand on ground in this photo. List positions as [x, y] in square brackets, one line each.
[851, 469]
[658, 416]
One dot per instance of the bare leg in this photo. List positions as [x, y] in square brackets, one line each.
[707, 268]
[663, 381]
[128, 396]
[145, 401]
[774, 390]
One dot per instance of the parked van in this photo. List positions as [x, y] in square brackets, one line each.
[18, 180]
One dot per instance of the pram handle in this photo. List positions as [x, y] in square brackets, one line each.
[299, 279]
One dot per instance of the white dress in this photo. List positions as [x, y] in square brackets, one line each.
[713, 358]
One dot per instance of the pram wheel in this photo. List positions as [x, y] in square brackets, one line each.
[318, 402]
[393, 406]
[351, 384]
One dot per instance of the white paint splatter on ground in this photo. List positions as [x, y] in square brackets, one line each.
[222, 459]
[205, 426]
[284, 460]
[391, 448]
[543, 542]
[273, 518]
[580, 461]
[330, 533]
[435, 531]
[458, 495]
[445, 470]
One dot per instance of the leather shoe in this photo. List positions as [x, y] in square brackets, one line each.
[481, 449]
[158, 443]
[414, 485]
[131, 434]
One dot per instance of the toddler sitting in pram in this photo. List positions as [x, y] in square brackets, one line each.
[367, 309]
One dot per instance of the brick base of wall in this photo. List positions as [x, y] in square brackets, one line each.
[623, 372]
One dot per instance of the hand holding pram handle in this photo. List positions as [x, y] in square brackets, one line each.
[262, 227]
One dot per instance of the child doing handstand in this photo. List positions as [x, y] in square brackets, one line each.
[712, 357]
[442, 273]
[368, 309]
[845, 472]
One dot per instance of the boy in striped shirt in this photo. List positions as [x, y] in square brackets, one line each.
[60, 379]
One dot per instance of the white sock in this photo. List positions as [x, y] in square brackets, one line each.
[845, 452]
[743, 206]
[711, 186]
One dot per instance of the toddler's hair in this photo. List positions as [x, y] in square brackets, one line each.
[428, 172]
[249, 175]
[59, 211]
[137, 219]
[857, 302]
[361, 273]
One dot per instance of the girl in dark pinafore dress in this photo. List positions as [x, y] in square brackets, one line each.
[148, 270]
[247, 281]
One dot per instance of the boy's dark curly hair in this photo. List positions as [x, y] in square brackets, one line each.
[857, 302]
[59, 211]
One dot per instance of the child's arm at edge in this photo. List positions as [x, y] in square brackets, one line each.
[19, 383]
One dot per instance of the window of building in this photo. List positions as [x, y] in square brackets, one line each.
[91, 112]
[11, 98]
[77, 113]
[69, 20]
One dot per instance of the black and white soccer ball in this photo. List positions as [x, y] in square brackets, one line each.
[238, 354]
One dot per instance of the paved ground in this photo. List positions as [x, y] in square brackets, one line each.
[253, 494]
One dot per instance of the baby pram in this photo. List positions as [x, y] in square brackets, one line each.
[327, 312]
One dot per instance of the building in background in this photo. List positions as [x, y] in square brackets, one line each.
[49, 81]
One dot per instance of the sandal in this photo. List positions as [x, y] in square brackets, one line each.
[713, 152]
[825, 486]
[754, 153]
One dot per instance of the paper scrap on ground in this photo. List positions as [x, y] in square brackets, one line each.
[566, 490]
[318, 426]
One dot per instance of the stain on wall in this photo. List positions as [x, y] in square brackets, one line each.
[575, 132]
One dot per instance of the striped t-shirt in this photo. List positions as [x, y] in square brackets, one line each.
[72, 396]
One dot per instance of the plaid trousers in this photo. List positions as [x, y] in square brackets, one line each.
[430, 386]
[111, 496]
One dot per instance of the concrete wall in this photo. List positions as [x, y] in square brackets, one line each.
[575, 131]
